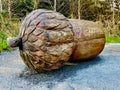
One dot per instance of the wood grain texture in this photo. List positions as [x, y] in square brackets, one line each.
[49, 40]
[89, 39]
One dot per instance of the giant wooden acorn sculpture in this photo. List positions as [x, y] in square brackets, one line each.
[47, 40]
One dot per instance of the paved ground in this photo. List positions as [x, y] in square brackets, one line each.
[100, 73]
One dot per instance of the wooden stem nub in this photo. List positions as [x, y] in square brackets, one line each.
[14, 42]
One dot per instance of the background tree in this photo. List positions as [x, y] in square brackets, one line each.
[55, 3]
[104, 12]
[9, 9]
[79, 7]
[0, 5]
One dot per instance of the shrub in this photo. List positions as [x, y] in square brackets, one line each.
[3, 41]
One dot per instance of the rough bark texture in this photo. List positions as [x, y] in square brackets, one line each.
[49, 40]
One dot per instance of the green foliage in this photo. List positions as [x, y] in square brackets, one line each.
[10, 29]
[21, 7]
[89, 11]
[3, 42]
[45, 5]
[7, 28]
[112, 39]
[4, 13]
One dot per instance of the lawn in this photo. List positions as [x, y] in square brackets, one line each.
[111, 39]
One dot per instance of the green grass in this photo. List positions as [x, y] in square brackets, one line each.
[8, 29]
[3, 45]
[3, 41]
[111, 39]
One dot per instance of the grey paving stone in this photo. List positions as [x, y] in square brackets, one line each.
[99, 73]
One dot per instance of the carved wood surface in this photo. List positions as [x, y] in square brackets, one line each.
[49, 40]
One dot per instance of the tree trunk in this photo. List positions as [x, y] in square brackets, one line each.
[71, 8]
[79, 7]
[35, 4]
[0, 5]
[55, 3]
[113, 19]
[9, 9]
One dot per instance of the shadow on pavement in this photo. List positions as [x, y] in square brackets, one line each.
[62, 73]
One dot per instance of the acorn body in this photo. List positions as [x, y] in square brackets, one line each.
[89, 39]
[47, 40]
